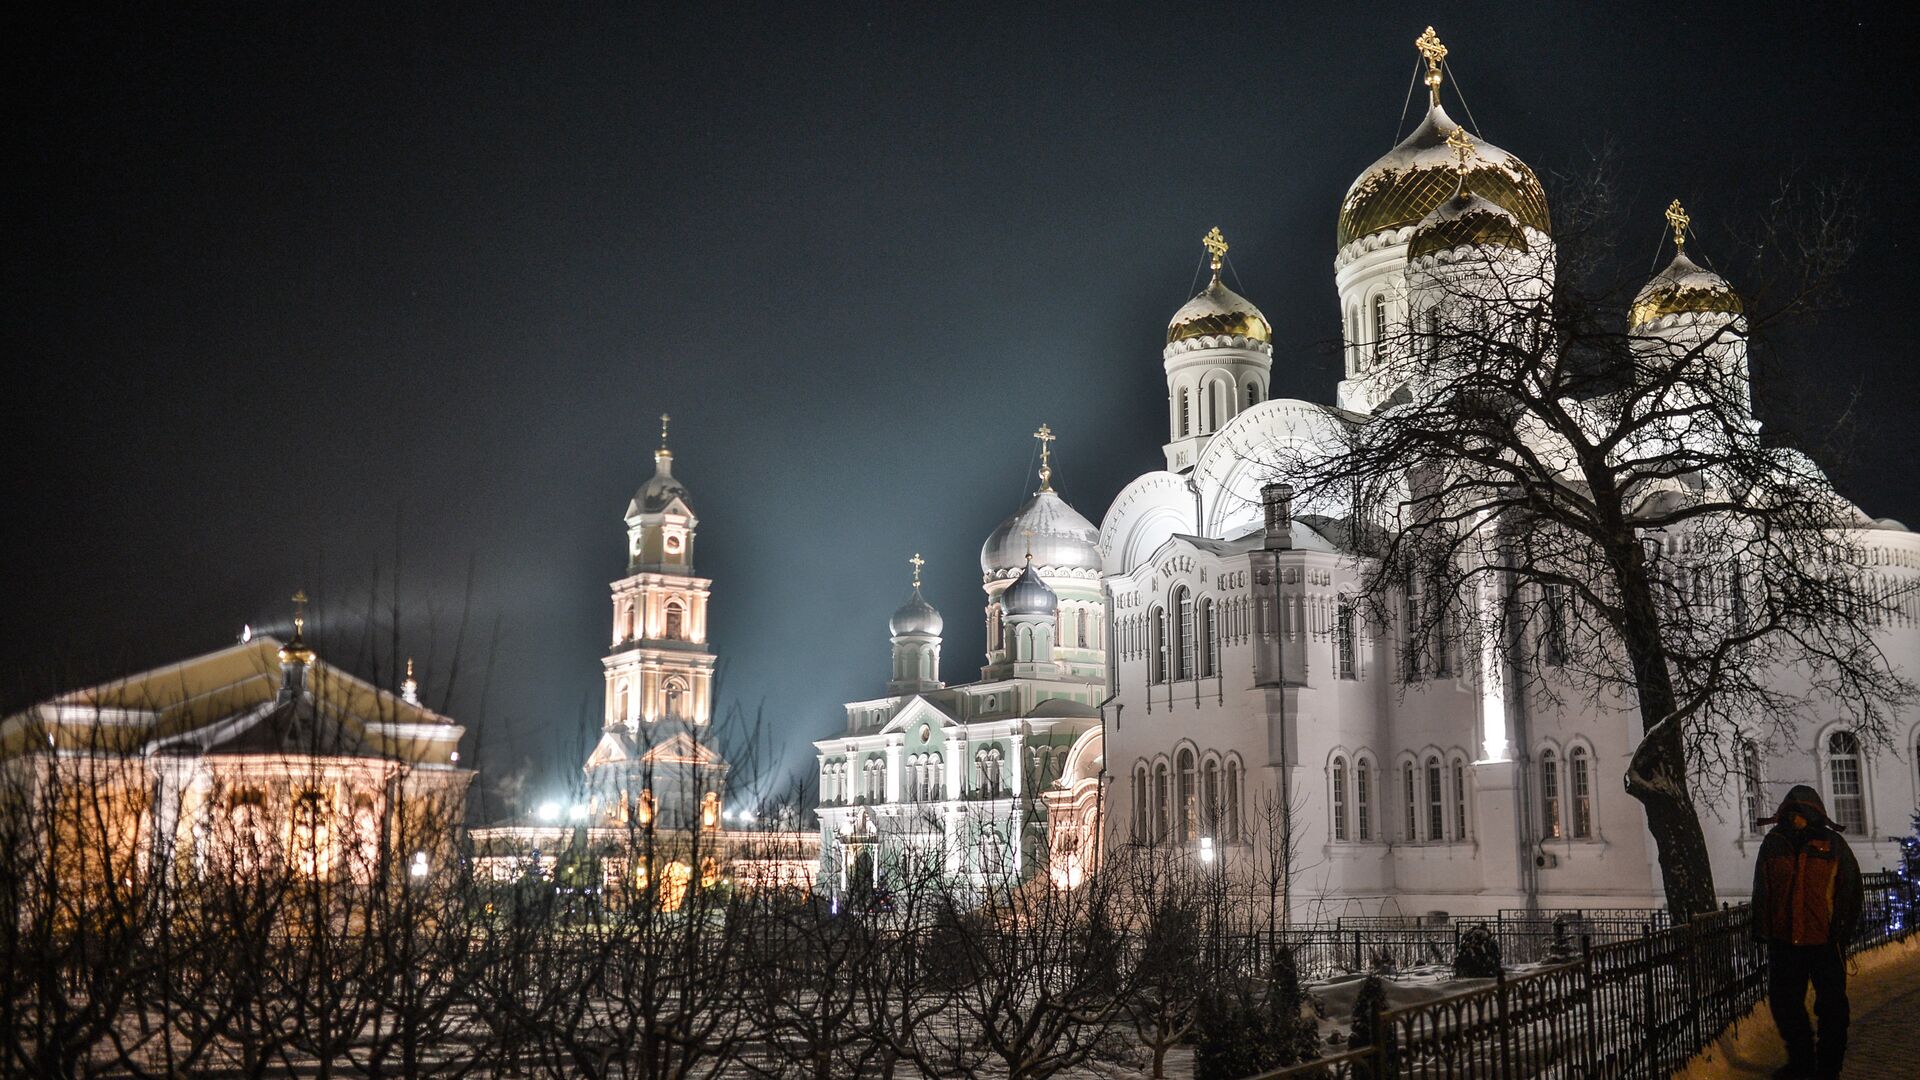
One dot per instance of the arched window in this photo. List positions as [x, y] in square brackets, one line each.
[1157, 645]
[1379, 326]
[1253, 394]
[1353, 340]
[676, 621]
[621, 710]
[1161, 801]
[1846, 794]
[629, 623]
[1189, 797]
[1412, 801]
[1436, 804]
[1339, 798]
[1210, 799]
[1362, 800]
[1233, 799]
[1183, 659]
[677, 703]
[1580, 783]
[1550, 825]
[1080, 621]
[1459, 798]
[1750, 793]
[1140, 804]
[1186, 412]
[1216, 405]
[1343, 640]
[1209, 639]
[992, 857]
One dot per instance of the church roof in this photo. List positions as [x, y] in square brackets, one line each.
[229, 699]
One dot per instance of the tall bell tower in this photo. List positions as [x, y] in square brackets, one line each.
[657, 743]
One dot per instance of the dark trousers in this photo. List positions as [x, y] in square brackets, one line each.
[1789, 969]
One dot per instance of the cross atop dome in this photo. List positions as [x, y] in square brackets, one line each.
[1677, 218]
[1045, 435]
[297, 651]
[1216, 245]
[917, 562]
[1429, 45]
[664, 418]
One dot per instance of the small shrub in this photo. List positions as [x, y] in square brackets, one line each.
[1478, 956]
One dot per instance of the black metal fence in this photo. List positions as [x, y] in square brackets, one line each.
[1637, 1006]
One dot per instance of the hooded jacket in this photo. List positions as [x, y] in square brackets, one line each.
[1806, 883]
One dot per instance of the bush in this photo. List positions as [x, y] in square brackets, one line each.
[1478, 955]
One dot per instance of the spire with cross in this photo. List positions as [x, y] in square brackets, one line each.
[1045, 435]
[917, 562]
[1677, 218]
[664, 418]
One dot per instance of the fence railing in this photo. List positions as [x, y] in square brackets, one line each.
[1635, 1006]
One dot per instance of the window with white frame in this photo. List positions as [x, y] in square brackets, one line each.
[1459, 798]
[1845, 790]
[1183, 660]
[1233, 799]
[1162, 801]
[1580, 781]
[1210, 798]
[1343, 640]
[1189, 796]
[1550, 824]
[1339, 798]
[1411, 801]
[1436, 802]
[1140, 803]
[1362, 800]
[1752, 800]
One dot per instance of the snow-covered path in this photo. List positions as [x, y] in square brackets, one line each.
[1883, 986]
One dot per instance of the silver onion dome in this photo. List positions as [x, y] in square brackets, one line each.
[916, 616]
[1028, 595]
[1061, 539]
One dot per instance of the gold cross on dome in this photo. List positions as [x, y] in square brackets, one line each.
[1430, 47]
[1462, 148]
[663, 430]
[1045, 435]
[1677, 217]
[917, 562]
[1216, 245]
[299, 612]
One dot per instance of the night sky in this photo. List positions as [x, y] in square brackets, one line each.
[299, 296]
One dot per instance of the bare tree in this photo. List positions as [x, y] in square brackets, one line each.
[1578, 499]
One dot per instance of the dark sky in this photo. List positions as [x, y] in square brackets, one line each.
[301, 294]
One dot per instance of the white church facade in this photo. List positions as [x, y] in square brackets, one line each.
[1198, 663]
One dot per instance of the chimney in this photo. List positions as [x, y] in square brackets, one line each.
[1277, 497]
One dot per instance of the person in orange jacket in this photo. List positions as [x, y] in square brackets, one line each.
[1807, 895]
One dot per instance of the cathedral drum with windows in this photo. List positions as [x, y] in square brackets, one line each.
[1251, 688]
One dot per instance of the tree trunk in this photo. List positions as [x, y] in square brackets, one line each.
[1657, 771]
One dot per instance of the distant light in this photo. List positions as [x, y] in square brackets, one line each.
[454, 757]
[246, 633]
[729, 815]
[549, 811]
[419, 867]
[1206, 849]
[578, 812]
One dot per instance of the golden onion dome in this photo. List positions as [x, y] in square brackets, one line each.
[1415, 177]
[1684, 287]
[1466, 220]
[1219, 312]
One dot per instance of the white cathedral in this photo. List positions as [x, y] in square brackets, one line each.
[1178, 672]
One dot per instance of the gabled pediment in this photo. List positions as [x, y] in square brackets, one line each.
[681, 748]
[917, 710]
